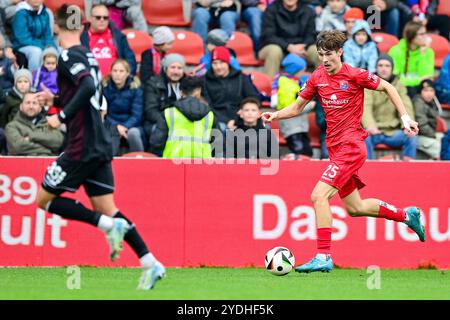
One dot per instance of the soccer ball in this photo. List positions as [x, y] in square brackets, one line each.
[279, 261]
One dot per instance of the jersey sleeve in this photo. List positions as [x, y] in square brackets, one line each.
[366, 80]
[308, 90]
[74, 67]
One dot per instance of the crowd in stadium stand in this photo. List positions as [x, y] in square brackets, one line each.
[161, 103]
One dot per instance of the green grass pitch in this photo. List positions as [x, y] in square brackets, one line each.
[223, 284]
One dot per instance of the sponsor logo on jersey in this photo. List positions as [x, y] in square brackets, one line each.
[334, 102]
[103, 53]
[323, 85]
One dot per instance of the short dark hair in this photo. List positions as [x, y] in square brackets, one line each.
[189, 84]
[331, 40]
[250, 100]
[69, 17]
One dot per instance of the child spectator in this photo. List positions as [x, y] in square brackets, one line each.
[427, 114]
[46, 76]
[443, 82]
[350, 18]
[163, 39]
[256, 140]
[361, 51]
[285, 88]
[332, 16]
[413, 59]
[22, 85]
[125, 106]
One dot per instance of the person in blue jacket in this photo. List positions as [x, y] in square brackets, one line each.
[443, 82]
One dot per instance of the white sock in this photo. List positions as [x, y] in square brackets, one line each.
[105, 223]
[322, 256]
[147, 260]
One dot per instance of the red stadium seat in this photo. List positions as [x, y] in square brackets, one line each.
[384, 41]
[139, 41]
[139, 154]
[275, 125]
[445, 106]
[242, 44]
[55, 4]
[441, 126]
[385, 147]
[314, 130]
[441, 49]
[164, 12]
[261, 81]
[189, 44]
[444, 7]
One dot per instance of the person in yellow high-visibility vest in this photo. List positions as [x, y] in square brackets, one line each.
[186, 128]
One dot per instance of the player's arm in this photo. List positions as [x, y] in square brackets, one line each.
[289, 112]
[410, 125]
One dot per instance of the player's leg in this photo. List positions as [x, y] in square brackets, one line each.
[153, 270]
[320, 198]
[357, 207]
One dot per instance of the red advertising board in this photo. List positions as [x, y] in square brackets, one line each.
[228, 214]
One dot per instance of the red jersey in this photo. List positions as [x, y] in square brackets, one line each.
[342, 98]
[104, 50]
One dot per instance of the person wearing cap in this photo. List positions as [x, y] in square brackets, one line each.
[105, 41]
[22, 85]
[163, 39]
[428, 110]
[350, 18]
[332, 16]
[285, 88]
[223, 12]
[162, 91]
[29, 134]
[380, 117]
[32, 31]
[390, 14]
[225, 87]
[217, 38]
[288, 27]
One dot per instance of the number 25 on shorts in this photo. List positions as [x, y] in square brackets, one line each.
[331, 171]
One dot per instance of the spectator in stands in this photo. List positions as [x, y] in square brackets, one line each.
[225, 12]
[125, 107]
[22, 85]
[7, 69]
[177, 132]
[332, 16]
[252, 12]
[413, 59]
[46, 75]
[390, 14]
[162, 91]
[32, 31]
[443, 82]
[163, 39]
[105, 41]
[288, 27]
[425, 11]
[29, 134]
[9, 8]
[225, 88]
[361, 51]
[122, 12]
[380, 117]
[350, 18]
[217, 38]
[427, 114]
[285, 88]
[251, 139]
[4, 38]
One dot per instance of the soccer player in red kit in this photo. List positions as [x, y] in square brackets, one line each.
[340, 89]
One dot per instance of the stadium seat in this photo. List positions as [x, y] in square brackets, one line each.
[242, 44]
[314, 130]
[164, 12]
[384, 41]
[189, 44]
[139, 154]
[444, 7]
[441, 126]
[139, 42]
[261, 81]
[441, 48]
[384, 147]
[55, 4]
[445, 106]
[275, 125]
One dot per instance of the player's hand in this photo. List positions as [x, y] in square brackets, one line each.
[413, 129]
[45, 96]
[53, 121]
[268, 117]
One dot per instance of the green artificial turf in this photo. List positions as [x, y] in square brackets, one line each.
[223, 284]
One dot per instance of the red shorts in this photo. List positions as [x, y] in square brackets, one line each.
[345, 161]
